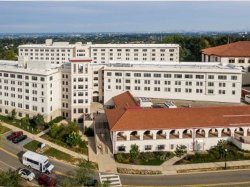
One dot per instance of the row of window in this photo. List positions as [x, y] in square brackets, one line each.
[135, 50]
[26, 77]
[168, 89]
[177, 76]
[133, 54]
[46, 50]
[22, 106]
[187, 83]
[240, 61]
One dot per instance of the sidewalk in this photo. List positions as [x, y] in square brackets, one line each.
[186, 168]
[37, 138]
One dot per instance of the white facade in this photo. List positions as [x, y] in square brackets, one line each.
[104, 53]
[30, 89]
[188, 81]
[195, 139]
[243, 62]
[61, 52]
[77, 89]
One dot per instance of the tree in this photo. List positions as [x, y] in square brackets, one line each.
[84, 172]
[73, 139]
[134, 152]
[25, 121]
[54, 129]
[180, 150]
[13, 114]
[38, 121]
[9, 55]
[9, 178]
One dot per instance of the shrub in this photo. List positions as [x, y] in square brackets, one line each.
[180, 150]
[88, 131]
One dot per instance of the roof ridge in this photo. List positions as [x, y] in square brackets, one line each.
[125, 110]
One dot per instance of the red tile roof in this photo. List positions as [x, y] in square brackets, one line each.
[236, 49]
[125, 100]
[122, 119]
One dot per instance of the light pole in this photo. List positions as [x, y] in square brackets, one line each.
[225, 159]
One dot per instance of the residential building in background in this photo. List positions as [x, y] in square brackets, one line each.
[237, 53]
[61, 52]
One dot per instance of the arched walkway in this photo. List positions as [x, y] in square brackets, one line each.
[174, 134]
[121, 136]
[200, 133]
[213, 132]
[160, 135]
[187, 133]
[239, 131]
[134, 135]
[147, 135]
[226, 132]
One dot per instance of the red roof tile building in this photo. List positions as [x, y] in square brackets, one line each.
[163, 128]
[237, 53]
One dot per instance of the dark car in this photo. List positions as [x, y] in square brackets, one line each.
[19, 138]
[46, 180]
[14, 135]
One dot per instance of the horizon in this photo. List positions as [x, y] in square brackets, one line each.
[123, 17]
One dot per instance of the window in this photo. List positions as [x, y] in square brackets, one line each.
[127, 74]
[121, 148]
[222, 84]
[178, 76]
[210, 91]
[137, 74]
[148, 147]
[222, 77]
[188, 76]
[118, 74]
[231, 60]
[34, 78]
[233, 77]
[198, 90]
[188, 90]
[241, 60]
[210, 83]
[147, 74]
[157, 75]
[167, 75]
[210, 76]
[161, 147]
[109, 74]
[199, 76]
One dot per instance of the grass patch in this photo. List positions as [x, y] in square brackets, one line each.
[3, 129]
[32, 146]
[52, 152]
[17, 123]
[82, 150]
[147, 158]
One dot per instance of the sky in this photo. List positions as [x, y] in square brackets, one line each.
[40, 17]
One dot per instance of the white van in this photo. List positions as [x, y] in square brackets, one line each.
[37, 162]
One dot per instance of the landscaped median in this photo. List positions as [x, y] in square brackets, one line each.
[50, 152]
[138, 171]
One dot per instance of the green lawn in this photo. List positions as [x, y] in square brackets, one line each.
[3, 129]
[59, 155]
[56, 141]
[32, 146]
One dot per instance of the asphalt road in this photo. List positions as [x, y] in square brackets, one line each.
[8, 159]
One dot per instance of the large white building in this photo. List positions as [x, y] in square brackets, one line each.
[30, 88]
[188, 81]
[61, 52]
[163, 129]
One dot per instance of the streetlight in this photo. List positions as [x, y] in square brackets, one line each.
[225, 159]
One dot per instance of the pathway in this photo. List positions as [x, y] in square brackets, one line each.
[37, 138]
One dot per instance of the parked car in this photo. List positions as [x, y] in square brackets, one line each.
[14, 135]
[19, 138]
[26, 174]
[46, 180]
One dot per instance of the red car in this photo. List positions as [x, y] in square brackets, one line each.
[14, 135]
[46, 180]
